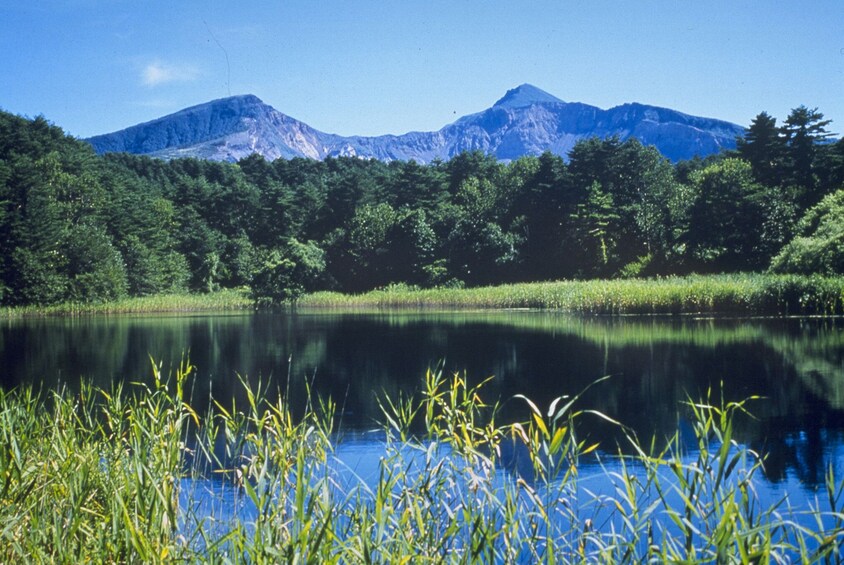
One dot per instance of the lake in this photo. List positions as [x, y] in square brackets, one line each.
[657, 363]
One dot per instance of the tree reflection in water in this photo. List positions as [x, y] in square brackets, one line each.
[796, 365]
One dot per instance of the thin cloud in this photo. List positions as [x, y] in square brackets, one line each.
[158, 73]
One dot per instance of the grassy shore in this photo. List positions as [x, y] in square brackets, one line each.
[739, 294]
[746, 294]
[137, 476]
[237, 299]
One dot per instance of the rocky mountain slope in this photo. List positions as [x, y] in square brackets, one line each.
[526, 121]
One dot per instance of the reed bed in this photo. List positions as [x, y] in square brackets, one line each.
[222, 300]
[743, 294]
[135, 475]
[739, 294]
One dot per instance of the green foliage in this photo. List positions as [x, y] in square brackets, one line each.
[93, 476]
[593, 233]
[764, 148]
[78, 227]
[541, 209]
[479, 248]
[644, 208]
[829, 166]
[803, 130]
[734, 294]
[818, 246]
[95, 268]
[726, 217]
[285, 274]
[183, 302]
[119, 476]
[151, 273]
[663, 219]
[36, 278]
[796, 156]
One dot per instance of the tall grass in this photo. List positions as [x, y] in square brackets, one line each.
[227, 299]
[135, 475]
[749, 293]
[733, 294]
[92, 476]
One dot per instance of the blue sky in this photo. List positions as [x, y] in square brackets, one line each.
[354, 67]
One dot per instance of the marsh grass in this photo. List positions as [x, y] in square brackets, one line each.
[135, 475]
[740, 294]
[759, 294]
[222, 300]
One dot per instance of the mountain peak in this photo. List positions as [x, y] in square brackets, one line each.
[526, 121]
[238, 101]
[526, 95]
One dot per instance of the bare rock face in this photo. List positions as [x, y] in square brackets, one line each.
[525, 121]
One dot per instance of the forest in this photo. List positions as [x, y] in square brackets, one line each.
[78, 227]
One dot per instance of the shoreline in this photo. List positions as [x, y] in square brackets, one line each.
[745, 294]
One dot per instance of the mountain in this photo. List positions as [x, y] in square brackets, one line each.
[525, 121]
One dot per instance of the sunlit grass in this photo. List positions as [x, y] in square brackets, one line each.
[135, 475]
[734, 294]
[227, 299]
[741, 294]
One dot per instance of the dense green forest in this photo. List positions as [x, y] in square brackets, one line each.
[79, 227]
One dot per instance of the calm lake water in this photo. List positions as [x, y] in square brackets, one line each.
[797, 365]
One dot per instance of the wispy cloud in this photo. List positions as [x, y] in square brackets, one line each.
[159, 72]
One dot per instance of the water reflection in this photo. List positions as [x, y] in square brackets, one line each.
[656, 363]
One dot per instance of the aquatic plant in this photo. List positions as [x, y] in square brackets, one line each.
[226, 299]
[749, 293]
[134, 474]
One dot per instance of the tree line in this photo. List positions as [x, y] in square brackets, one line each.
[75, 226]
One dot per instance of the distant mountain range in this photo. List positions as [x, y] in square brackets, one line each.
[526, 121]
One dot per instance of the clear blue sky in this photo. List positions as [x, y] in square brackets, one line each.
[353, 67]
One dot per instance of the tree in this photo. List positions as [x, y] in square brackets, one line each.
[818, 246]
[479, 249]
[803, 130]
[203, 247]
[95, 268]
[630, 174]
[726, 217]
[662, 219]
[471, 164]
[53, 218]
[763, 146]
[363, 251]
[153, 271]
[411, 250]
[240, 260]
[285, 273]
[36, 266]
[416, 186]
[829, 166]
[593, 232]
[540, 214]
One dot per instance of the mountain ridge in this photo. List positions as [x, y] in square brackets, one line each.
[525, 121]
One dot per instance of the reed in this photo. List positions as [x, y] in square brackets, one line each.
[739, 294]
[755, 294]
[135, 475]
[222, 300]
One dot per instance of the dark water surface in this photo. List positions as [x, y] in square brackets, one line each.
[655, 363]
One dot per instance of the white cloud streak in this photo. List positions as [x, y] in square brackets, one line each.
[158, 73]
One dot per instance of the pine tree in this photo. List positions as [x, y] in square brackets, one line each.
[803, 130]
[763, 146]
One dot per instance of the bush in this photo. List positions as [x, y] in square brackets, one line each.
[818, 246]
[285, 274]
